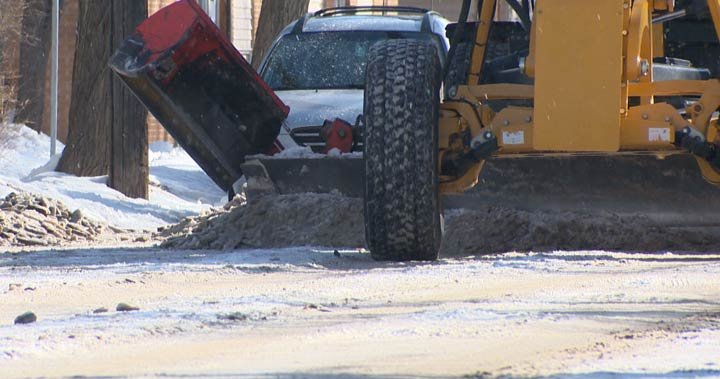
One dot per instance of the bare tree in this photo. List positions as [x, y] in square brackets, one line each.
[34, 49]
[106, 121]
[10, 34]
[129, 169]
[87, 151]
[274, 16]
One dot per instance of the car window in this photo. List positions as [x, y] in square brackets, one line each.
[326, 60]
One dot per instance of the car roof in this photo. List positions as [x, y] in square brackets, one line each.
[369, 18]
[363, 18]
[405, 23]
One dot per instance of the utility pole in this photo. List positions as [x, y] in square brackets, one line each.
[129, 169]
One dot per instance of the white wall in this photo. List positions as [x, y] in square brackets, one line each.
[315, 5]
[242, 26]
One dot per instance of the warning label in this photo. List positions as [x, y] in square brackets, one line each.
[513, 138]
[659, 134]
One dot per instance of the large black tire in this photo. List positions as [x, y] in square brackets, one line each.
[402, 208]
[458, 65]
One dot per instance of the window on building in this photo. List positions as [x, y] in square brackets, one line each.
[211, 8]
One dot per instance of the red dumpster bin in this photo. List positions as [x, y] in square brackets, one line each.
[201, 89]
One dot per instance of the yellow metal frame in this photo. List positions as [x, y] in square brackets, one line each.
[648, 127]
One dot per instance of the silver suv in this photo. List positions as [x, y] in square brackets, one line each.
[317, 63]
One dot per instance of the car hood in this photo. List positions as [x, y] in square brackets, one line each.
[312, 107]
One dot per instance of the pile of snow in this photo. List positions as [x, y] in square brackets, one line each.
[179, 188]
[173, 171]
[493, 229]
[337, 221]
[273, 221]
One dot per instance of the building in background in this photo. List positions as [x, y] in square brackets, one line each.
[246, 14]
[450, 9]
[69, 13]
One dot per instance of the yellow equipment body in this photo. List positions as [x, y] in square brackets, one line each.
[588, 60]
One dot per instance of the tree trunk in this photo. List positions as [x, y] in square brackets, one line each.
[4, 26]
[87, 151]
[10, 32]
[225, 17]
[107, 124]
[274, 16]
[34, 49]
[129, 141]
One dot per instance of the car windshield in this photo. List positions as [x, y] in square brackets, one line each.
[325, 60]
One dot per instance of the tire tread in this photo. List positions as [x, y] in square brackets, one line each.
[402, 214]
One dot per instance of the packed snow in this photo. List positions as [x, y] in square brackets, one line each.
[178, 187]
[303, 312]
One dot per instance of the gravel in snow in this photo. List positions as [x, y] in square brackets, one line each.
[30, 220]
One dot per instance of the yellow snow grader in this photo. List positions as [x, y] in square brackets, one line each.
[594, 83]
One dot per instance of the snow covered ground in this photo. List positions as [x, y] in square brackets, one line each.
[304, 312]
[178, 187]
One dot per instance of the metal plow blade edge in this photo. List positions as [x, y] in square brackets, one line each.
[668, 191]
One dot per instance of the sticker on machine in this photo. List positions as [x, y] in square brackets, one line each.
[659, 134]
[513, 138]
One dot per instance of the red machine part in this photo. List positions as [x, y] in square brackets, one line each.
[337, 135]
[201, 89]
[190, 35]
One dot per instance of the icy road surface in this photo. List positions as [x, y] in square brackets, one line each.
[304, 312]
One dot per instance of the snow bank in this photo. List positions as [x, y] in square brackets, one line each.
[273, 221]
[337, 221]
[178, 188]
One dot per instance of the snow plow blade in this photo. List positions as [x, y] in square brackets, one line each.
[201, 89]
[342, 176]
[669, 192]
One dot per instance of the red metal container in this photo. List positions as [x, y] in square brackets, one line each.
[201, 89]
